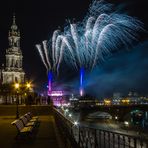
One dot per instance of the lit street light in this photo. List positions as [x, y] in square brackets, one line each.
[75, 123]
[126, 123]
[28, 86]
[70, 115]
[116, 117]
[17, 85]
[66, 111]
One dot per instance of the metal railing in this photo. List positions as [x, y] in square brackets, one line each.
[77, 136]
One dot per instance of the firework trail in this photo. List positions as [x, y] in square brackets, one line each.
[55, 35]
[42, 56]
[46, 53]
[101, 33]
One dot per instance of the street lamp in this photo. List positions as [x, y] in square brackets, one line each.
[70, 115]
[116, 117]
[17, 85]
[28, 85]
[126, 123]
[75, 123]
[28, 88]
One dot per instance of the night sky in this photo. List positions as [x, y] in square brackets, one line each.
[37, 19]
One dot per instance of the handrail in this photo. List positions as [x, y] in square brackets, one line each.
[88, 137]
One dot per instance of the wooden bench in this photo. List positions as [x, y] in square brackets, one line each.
[32, 117]
[27, 116]
[22, 130]
[26, 122]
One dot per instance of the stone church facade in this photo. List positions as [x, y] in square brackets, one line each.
[13, 71]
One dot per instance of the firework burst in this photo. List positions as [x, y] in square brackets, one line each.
[101, 33]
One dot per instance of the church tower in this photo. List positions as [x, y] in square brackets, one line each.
[13, 71]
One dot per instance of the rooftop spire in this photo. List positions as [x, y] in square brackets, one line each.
[14, 26]
[14, 19]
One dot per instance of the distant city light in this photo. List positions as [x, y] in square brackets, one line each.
[75, 123]
[116, 117]
[126, 123]
[125, 101]
[72, 98]
[66, 110]
[70, 115]
[107, 102]
[55, 93]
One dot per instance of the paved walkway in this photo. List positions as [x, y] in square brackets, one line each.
[46, 135]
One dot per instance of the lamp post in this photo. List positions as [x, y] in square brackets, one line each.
[28, 86]
[17, 99]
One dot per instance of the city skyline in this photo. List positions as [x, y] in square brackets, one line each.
[36, 27]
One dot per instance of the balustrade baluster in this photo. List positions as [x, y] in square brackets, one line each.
[123, 141]
[108, 139]
[129, 142]
[104, 138]
[96, 141]
[95, 138]
[100, 138]
[141, 143]
[118, 140]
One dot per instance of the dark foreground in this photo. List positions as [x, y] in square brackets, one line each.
[46, 134]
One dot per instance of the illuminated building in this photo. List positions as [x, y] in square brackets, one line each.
[13, 71]
[55, 95]
[87, 102]
[116, 98]
[73, 101]
[107, 102]
[125, 101]
[117, 95]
